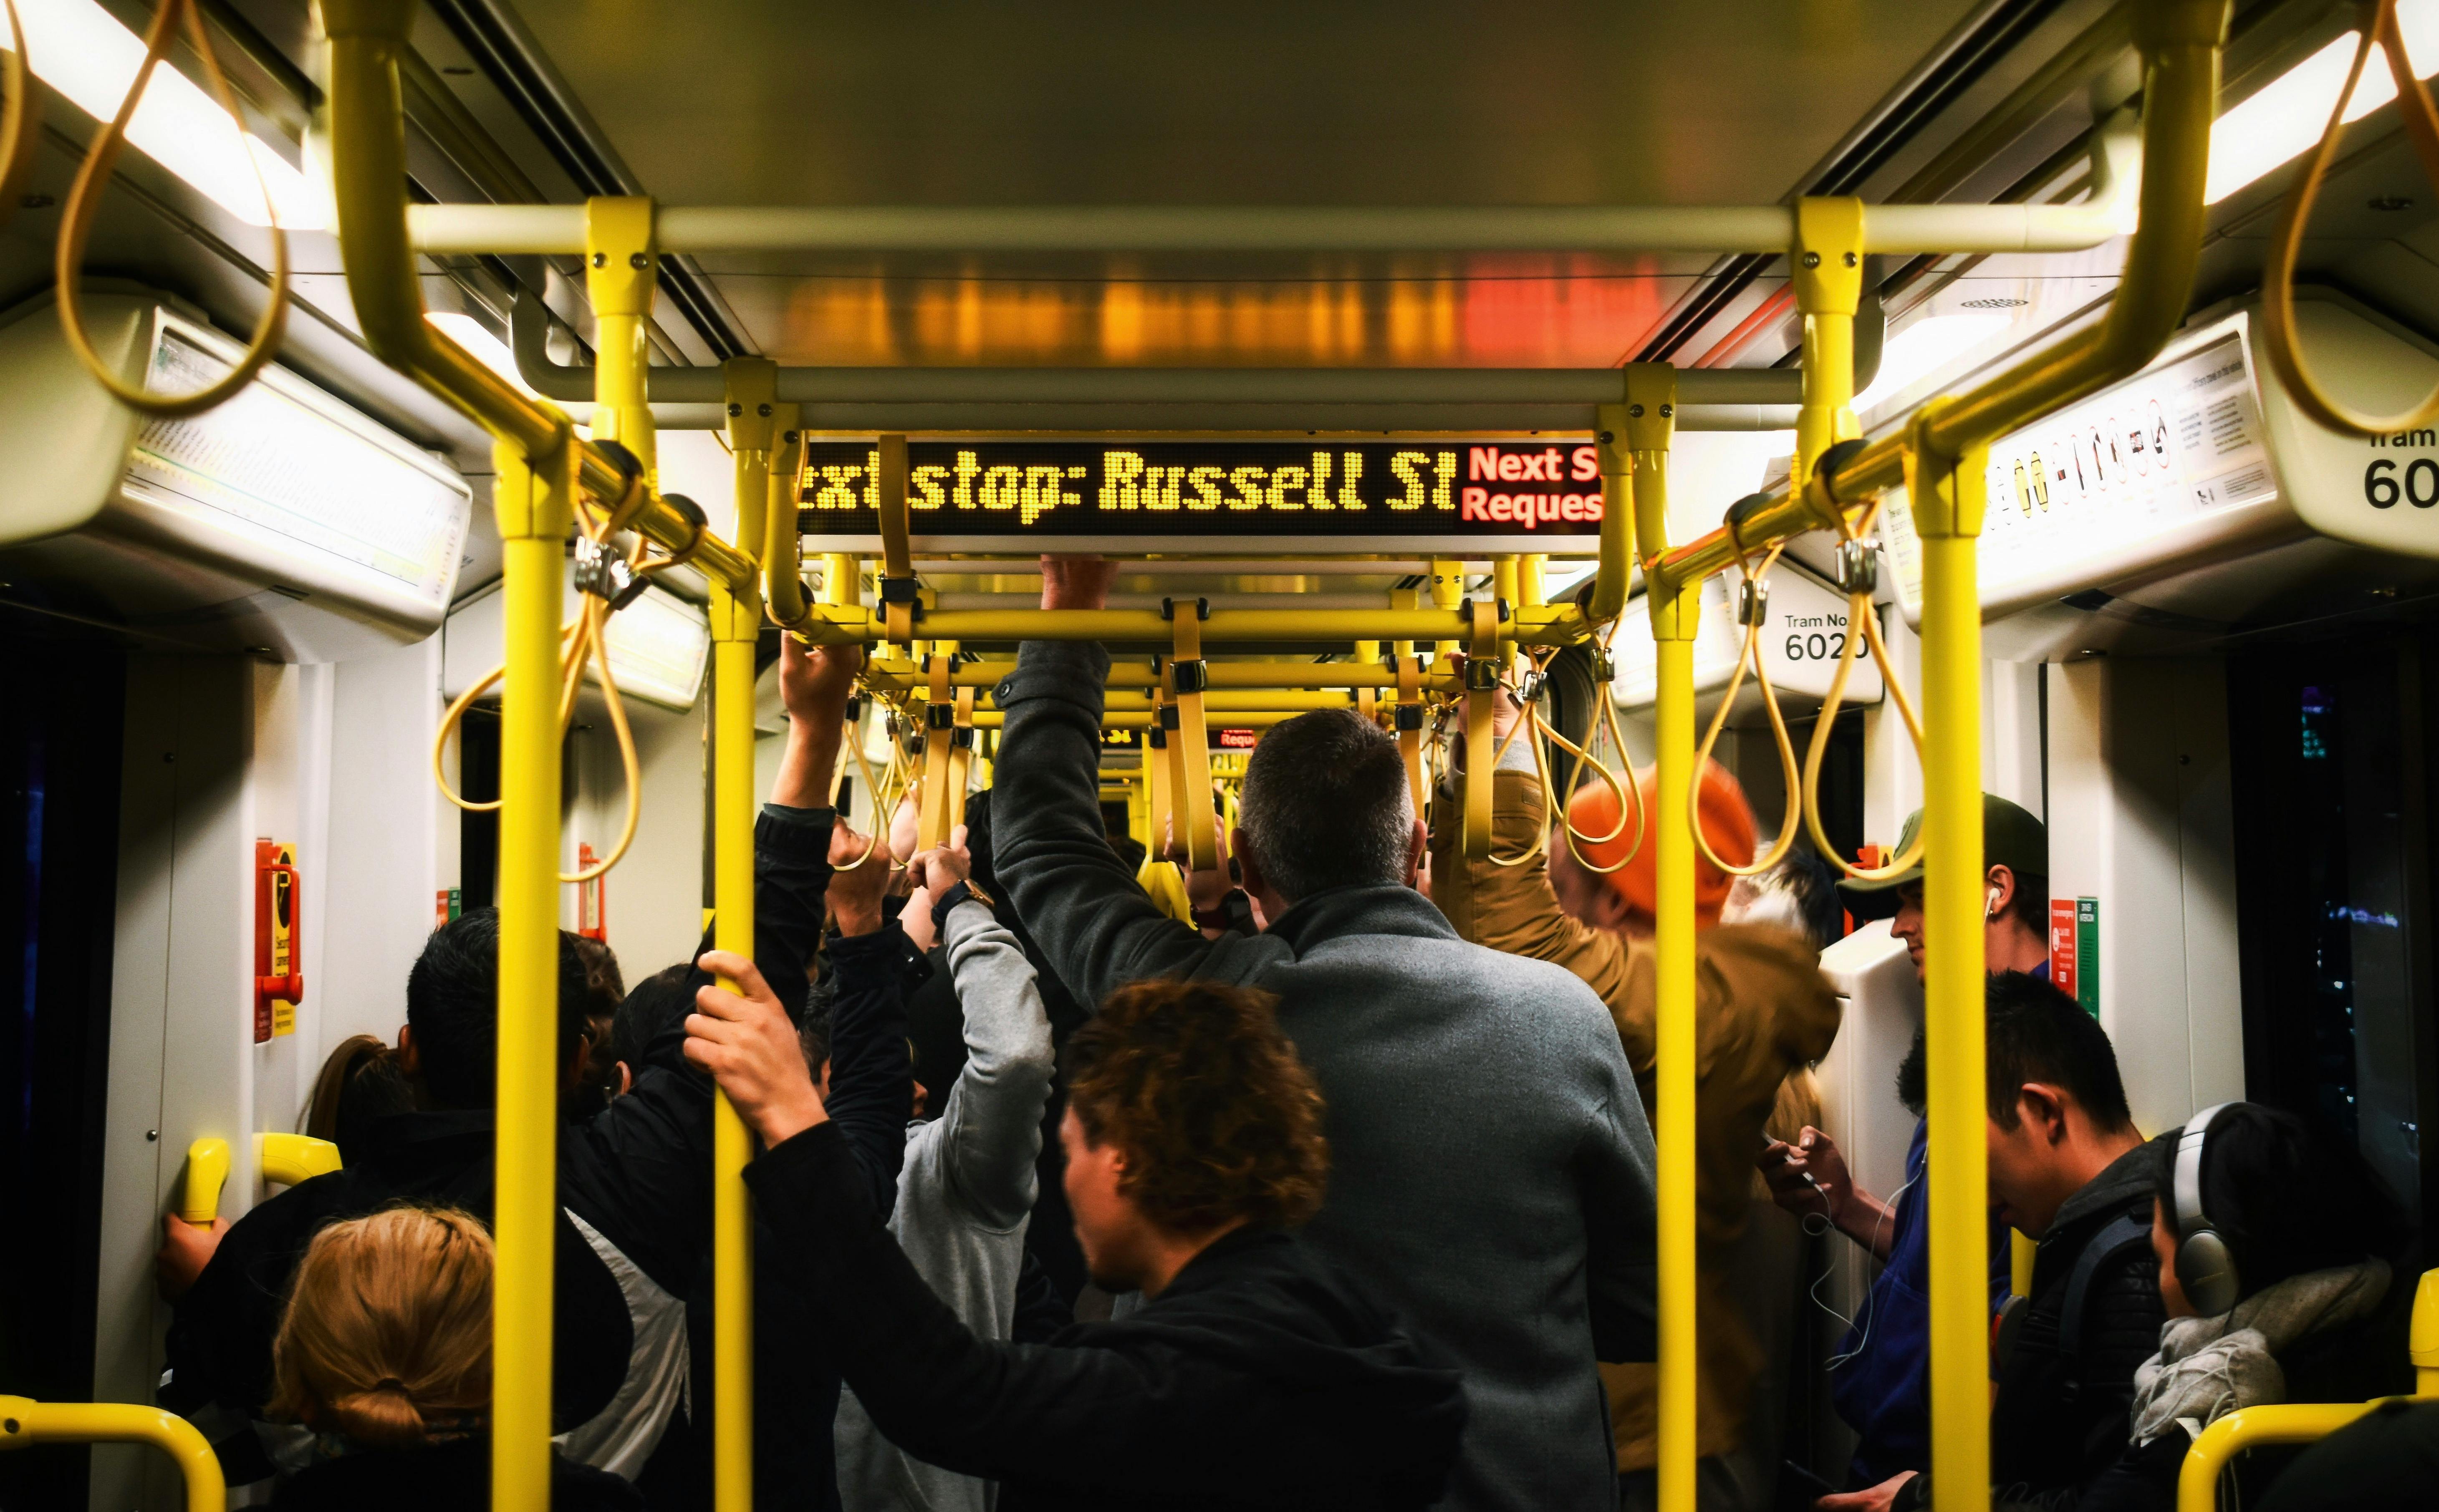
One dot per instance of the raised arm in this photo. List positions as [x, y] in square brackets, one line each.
[792, 850]
[872, 1083]
[993, 1116]
[1097, 928]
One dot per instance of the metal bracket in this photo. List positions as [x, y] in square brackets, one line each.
[1168, 608]
[1859, 568]
[602, 572]
[1753, 602]
[1189, 676]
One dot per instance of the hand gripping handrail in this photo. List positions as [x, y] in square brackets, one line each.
[25, 1421]
[369, 173]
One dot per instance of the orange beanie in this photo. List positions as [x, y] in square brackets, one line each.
[1727, 824]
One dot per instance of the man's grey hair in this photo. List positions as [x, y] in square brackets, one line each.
[1326, 805]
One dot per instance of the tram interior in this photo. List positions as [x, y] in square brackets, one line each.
[2208, 622]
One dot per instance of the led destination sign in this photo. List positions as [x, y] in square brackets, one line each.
[1457, 490]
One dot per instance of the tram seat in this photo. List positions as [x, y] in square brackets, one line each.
[2297, 1423]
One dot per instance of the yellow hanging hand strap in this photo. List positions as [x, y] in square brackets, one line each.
[2278, 335]
[939, 721]
[899, 594]
[1189, 748]
[1410, 724]
[1481, 689]
[961, 759]
[1159, 799]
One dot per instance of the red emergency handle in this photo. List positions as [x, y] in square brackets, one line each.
[278, 934]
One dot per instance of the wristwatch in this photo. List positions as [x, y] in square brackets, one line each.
[1234, 914]
[947, 902]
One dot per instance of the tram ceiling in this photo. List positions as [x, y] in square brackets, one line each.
[1555, 106]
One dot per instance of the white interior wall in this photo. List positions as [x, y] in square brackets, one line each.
[2011, 733]
[2142, 821]
[1892, 775]
[392, 844]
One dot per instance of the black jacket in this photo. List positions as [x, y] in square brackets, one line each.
[1261, 1378]
[2060, 1419]
[637, 1176]
[456, 1475]
[795, 1381]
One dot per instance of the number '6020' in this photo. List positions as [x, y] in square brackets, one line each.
[2419, 487]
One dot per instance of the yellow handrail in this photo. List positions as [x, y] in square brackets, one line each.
[25, 1421]
[369, 171]
[2250, 1427]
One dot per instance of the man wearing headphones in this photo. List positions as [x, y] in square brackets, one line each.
[2068, 1168]
[1880, 1379]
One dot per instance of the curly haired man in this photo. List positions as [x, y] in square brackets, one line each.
[1254, 1374]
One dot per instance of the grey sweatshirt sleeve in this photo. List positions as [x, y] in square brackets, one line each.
[992, 1129]
[1616, 1170]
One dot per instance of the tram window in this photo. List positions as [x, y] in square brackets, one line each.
[478, 781]
[2331, 894]
[59, 827]
[1842, 777]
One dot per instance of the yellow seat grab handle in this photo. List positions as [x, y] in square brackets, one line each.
[2279, 338]
[25, 1421]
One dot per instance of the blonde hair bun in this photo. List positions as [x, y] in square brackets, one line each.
[387, 1335]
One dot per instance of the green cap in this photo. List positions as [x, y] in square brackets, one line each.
[2010, 838]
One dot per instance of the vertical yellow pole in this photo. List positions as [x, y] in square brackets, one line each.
[534, 507]
[1948, 502]
[1448, 591]
[619, 280]
[1650, 423]
[1504, 579]
[735, 623]
[1529, 569]
[1828, 275]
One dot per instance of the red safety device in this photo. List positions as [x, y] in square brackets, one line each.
[278, 940]
[592, 907]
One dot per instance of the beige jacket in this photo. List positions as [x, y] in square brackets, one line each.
[1766, 1012]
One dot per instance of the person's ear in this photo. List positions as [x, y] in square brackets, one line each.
[1418, 845]
[1249, 874]
[2000, 891]
[409, 1061]
[2044, 1109]
[626, 1080]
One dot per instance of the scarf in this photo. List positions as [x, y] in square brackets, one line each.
[2208, 1367]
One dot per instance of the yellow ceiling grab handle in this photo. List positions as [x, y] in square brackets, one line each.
[25, 1421]
[21, 129]
[1751, 610]
[84, 197]
[1189, 743]
[2278, 334]
[199, 1190]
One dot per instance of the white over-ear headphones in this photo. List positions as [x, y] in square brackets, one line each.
[2204, 1268]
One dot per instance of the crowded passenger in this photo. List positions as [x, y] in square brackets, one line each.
[1493, 1168]
[2067, 1169]
[634, 1181]
[1880, 1377]
[1255, 1373]
[2387, 1461]
[383, 1356]
[968, 1185]
[2277, 1253]
[1764, 1011]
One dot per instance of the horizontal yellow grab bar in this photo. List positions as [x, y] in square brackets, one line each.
[1533, 625]
[1223, 675]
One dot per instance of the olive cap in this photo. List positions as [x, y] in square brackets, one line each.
[2010, 837]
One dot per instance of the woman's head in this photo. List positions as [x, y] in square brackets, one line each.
[387, 1337]
[2285, 1198]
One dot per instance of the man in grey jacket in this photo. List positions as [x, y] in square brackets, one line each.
[1492, 1167]
[967, 1186]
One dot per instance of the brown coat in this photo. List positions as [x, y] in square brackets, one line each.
[1766, 1013]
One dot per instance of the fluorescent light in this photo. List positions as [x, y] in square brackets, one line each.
[483, 347]
[1926, 347]
[2285, 119]
[81, 51]
[490, 351]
